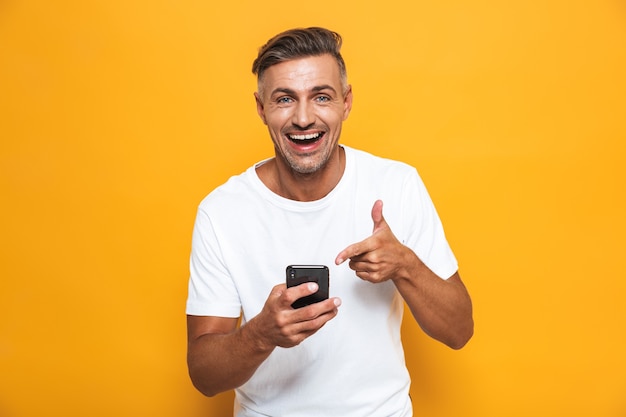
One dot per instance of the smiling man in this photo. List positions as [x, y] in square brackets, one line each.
[304, 102]
[316, 202]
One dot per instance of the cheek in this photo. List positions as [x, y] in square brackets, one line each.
[276, 119]
[335, 120]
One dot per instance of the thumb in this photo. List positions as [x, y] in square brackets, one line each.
[377, 216]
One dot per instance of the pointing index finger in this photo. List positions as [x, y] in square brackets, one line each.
[349, 252]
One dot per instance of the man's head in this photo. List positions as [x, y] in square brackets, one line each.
[303, 98]
[299, 43]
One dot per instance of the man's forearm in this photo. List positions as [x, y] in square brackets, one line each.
[442, 308]
[221, 362]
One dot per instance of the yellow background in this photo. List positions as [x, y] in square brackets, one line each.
[117, 117]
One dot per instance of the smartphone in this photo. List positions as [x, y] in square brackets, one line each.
[299, 274]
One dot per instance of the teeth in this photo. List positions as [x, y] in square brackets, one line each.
[305, 137]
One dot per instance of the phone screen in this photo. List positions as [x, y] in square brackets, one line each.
[299, 274]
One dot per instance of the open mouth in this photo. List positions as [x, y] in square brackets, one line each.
[305, 139]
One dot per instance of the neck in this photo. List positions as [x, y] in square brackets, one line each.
[285, 182]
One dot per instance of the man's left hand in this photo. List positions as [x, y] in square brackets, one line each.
[379, 257]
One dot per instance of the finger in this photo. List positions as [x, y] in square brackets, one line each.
[377, 216]
[294, 293]
[315, 315]
[343, 255]
[351, 251]
[278, 289]
[308, 320]
[364, 246]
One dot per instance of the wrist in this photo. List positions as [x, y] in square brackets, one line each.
[410, 267]
[255, 338]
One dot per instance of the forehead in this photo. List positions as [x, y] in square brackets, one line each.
[303, 74]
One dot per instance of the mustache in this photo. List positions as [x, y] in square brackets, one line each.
[296, 128]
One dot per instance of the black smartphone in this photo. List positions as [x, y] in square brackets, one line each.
[299, 274]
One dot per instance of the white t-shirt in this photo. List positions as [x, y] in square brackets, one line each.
[245, 236]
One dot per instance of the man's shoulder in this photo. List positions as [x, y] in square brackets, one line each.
[234, 191]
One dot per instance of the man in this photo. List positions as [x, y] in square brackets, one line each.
[316, 202]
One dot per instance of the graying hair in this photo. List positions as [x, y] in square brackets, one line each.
[300, 43]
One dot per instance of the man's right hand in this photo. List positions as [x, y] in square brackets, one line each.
[279, 324]
[221, 356]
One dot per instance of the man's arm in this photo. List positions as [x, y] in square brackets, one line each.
[222, 357]
[442, 308]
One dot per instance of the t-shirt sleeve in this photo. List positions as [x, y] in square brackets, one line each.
[425, 231]
[212, 291]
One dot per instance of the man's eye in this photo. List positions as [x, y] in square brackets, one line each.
[322, 99]
[284, 100]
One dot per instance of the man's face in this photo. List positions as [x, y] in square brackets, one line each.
[304, 104]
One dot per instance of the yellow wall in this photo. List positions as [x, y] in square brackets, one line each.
[117, 117]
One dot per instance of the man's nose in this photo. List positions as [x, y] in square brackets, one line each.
[303, 116]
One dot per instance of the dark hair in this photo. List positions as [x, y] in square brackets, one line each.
[299, 43]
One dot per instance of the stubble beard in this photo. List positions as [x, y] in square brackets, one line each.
[306, 164]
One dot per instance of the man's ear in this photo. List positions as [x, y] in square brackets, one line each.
[347, 102]
[259, 107]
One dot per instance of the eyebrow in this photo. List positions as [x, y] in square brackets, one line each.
[315, 89]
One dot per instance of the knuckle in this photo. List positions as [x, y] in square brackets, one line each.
[312, 314]
[375, 258]
[287, 335]
[297, 340]
[281, 322]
